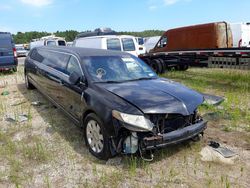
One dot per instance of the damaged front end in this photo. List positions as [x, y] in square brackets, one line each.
[152, 131]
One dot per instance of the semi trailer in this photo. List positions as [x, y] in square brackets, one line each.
[199, 45]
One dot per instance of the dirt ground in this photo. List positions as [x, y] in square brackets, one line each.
[47, 150]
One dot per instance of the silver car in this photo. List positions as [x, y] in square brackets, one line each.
[21, 52]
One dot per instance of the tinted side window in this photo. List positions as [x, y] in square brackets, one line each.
[128, 44]
[73, 66]
[35, 55]
[113, 44]
[55, 60]
[61, 43]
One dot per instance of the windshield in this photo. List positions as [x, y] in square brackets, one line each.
[19, 48]
[117, 68]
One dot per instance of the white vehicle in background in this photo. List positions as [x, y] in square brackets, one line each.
[124, 43]
[69, 43]
[48, 41]
[20, 50]
[108, 39]
[150, 42]
[140, 42]
[241, 34]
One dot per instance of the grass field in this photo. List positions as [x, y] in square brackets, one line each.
[49, 151]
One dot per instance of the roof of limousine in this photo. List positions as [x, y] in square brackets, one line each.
[84, 52]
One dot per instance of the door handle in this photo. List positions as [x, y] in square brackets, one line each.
[61, 83]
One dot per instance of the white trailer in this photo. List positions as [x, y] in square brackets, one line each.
[241, 34]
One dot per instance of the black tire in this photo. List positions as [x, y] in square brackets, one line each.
[164, 66]
[183, 67]
[105, 153]
[155, 64]
[147, 61]
[14, 69]
[27, 82]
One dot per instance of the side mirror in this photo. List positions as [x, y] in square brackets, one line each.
[76, 79]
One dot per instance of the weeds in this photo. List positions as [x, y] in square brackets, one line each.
[35, 152]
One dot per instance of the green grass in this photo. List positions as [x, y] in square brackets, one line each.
[234, 85]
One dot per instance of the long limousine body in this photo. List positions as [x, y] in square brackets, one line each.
[121, 104]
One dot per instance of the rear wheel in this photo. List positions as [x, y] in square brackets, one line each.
[14, 69]
[96, 137]
[156, 66]
[183, 67]
[147, 61]
[27, 82]
[164, 67]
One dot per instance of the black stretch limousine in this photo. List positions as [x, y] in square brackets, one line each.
[121, 104]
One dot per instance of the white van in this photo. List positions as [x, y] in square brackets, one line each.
[48, 41]
[124, 43]
[241, 34]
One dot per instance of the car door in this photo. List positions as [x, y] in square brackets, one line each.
[51, 73]
[73, 95]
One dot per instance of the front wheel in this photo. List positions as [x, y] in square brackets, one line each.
[96, 137]
[27, 82]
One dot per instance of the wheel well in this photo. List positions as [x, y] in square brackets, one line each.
[85, 114]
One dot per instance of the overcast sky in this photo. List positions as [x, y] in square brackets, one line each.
[120, 15]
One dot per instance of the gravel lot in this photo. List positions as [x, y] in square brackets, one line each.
[48, 151]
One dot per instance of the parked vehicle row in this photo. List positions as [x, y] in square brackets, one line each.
[121, 104]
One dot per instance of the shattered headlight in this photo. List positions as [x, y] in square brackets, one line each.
[133, 122]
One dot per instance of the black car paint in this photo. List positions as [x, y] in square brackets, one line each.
[159, 96]
[133, 97]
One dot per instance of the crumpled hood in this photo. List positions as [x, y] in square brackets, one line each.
[157, 95]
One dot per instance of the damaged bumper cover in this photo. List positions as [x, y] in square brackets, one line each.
[173, 137]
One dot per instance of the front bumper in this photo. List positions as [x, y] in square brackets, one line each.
[173, 137]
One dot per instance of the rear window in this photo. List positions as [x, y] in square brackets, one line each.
[61, 43]
[19, 48]
[5, 41]
[51, 43]
[128, 44]
[114, 44]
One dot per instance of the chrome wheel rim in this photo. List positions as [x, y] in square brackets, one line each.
[94, 136]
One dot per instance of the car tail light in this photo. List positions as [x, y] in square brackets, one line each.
[14, 51]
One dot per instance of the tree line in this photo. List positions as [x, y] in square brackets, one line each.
[69, 35]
